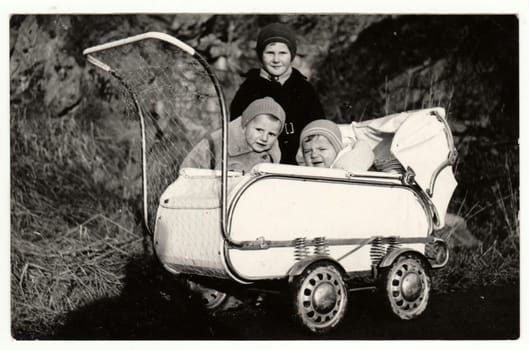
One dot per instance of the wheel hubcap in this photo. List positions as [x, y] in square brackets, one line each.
[324, 297]
[411, 286]
[211, 298]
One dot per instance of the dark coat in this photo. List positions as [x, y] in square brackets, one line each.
[297, 97]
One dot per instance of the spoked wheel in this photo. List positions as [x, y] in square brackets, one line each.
[320, 297]
[407, 286]
[211, 299]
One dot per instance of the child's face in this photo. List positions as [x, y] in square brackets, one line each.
[318, 152]
[261, 132]
[276, 58]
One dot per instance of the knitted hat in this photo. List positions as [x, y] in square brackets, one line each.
[265, 105]
[326, 128]
[276, 32]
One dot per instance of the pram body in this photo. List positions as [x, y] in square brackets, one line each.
[283, 218]
[317, 230]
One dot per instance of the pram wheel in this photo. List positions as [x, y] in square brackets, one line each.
[407, 286]
[320, 297]
[211, 299]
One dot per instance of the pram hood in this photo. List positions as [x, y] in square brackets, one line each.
[421, 141]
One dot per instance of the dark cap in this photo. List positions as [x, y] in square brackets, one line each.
[276, 32]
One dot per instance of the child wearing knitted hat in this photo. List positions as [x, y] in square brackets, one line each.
[252, 139]
[321, 146]
[276, 49]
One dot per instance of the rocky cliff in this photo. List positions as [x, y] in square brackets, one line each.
[363, 66]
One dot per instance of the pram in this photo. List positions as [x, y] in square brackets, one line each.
[314, 234]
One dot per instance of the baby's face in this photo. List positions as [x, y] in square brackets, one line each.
[276, 58]
[261, 132]
[318, 152]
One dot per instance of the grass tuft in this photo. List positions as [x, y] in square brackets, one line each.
[54, 276]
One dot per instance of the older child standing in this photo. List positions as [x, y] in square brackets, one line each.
[276, 49]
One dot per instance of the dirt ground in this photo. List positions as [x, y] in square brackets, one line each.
[149, 310]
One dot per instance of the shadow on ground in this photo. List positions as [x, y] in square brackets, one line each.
[155, 306]
[152, 305]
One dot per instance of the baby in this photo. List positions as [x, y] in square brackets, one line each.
[321, 146]
[252, 139]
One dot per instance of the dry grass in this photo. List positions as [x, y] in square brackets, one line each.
[496, 222]
[74, 226]
[497, 264]
[74, 230]
[51, 277]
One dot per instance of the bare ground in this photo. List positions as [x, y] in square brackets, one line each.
[152, 308]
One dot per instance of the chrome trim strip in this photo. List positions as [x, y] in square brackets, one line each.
[149, 35]
[264, 245]
[452, 154]
[447, 248]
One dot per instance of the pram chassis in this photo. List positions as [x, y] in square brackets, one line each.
[318, 281]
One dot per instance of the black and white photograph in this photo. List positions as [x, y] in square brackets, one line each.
[264, 175]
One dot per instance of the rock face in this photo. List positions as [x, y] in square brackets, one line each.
[362, 66]
[39, 58]
[409, 62]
